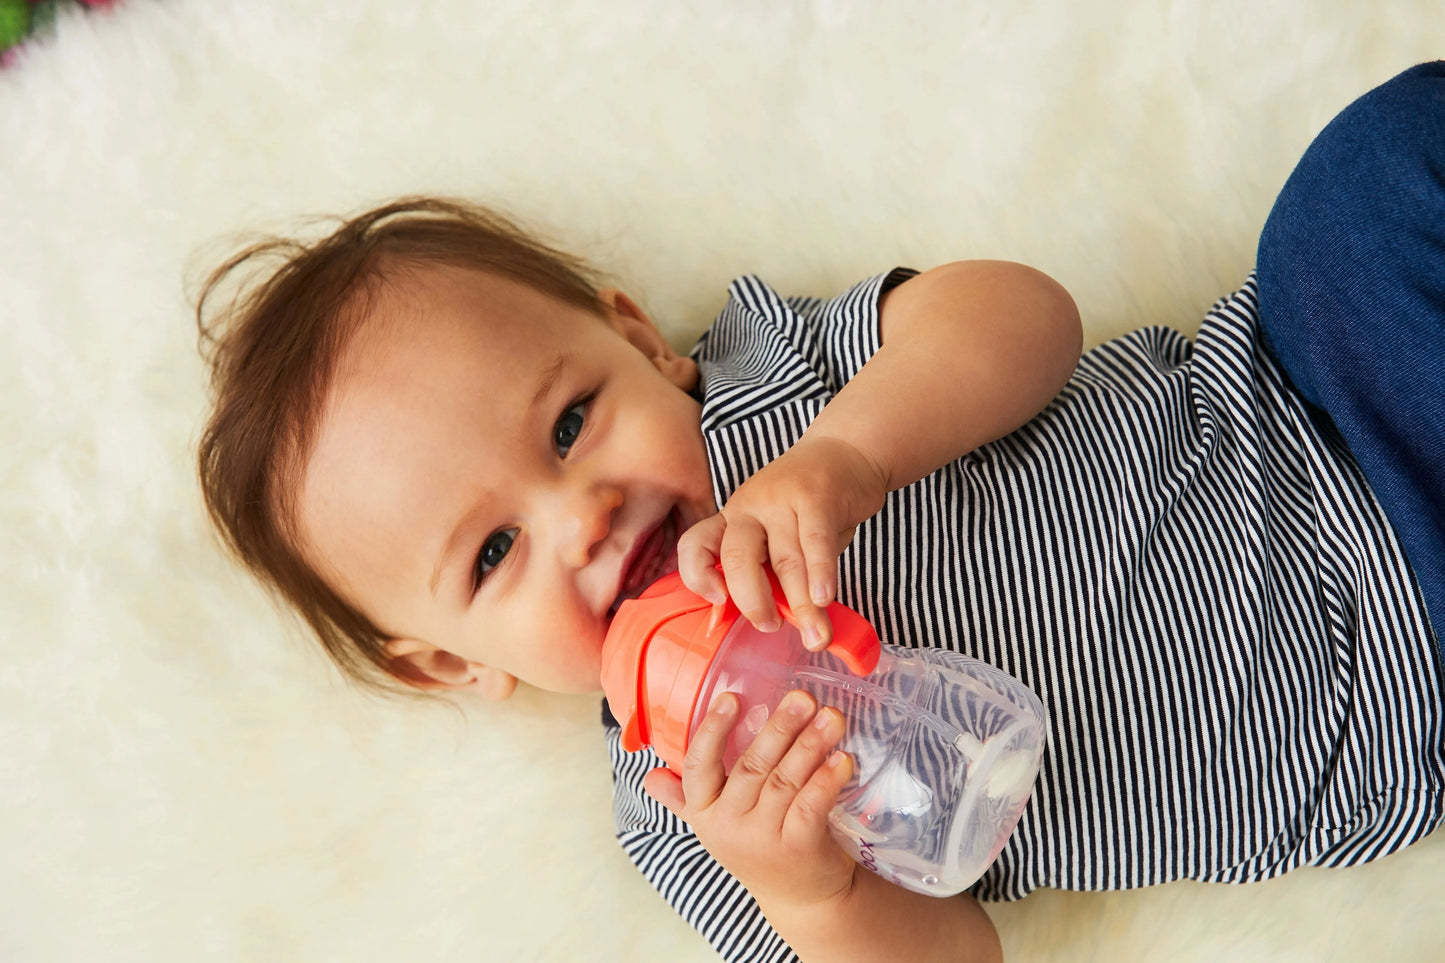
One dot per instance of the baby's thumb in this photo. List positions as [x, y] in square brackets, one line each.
[665, 786]
[697, 555]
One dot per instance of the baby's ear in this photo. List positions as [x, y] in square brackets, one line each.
[630, 321]
[425, 666]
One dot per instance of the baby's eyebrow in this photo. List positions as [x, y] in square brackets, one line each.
[452, 546]
[549, 377]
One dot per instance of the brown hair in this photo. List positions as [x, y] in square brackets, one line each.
[272, 348]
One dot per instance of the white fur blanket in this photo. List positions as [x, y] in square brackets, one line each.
[184, 778]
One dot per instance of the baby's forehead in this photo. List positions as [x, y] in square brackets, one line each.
[412, 294]
[444, 316]
[430, 351]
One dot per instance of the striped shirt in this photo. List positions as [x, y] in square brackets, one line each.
[1185, 566]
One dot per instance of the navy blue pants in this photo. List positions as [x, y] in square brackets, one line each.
[1351, 272]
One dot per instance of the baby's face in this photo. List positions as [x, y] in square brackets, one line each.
[495, 470]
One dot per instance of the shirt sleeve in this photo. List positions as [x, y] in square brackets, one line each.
[846, 328]
[769, 364]
[794, 346]
[672, 859]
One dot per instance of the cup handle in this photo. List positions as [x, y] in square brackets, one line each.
[855, 641]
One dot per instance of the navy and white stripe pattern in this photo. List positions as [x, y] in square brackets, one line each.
[1186, 567]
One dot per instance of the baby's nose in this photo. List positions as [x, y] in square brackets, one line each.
[586, 520]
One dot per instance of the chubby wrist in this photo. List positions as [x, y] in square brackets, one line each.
[813, 926]
[872, 919]
[863, 467]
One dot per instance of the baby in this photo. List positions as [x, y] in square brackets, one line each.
[455, 454]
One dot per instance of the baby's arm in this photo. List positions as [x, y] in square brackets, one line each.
[970, 351]
[767, 824]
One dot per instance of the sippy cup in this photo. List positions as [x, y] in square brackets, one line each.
[945, 748]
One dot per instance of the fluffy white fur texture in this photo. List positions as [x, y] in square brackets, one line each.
[185, 778]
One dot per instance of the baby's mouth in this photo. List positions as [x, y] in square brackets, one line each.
[654, 558]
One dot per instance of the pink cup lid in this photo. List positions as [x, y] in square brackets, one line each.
[661, 644]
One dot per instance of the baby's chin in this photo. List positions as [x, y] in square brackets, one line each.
[577, 682]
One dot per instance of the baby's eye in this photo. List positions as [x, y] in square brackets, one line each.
[494, 550]
[568, 427]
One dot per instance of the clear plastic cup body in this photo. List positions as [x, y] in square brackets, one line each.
[945, 749]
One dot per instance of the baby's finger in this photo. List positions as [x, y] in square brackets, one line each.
[792, 573]
[665, 786]
[743, 553]
[799, 766]
[808, 815]
[702, 769]
[821, 546]
[697, 552]
[758, 765]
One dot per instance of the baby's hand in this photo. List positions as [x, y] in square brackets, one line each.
[767, 821]
[797, 514]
